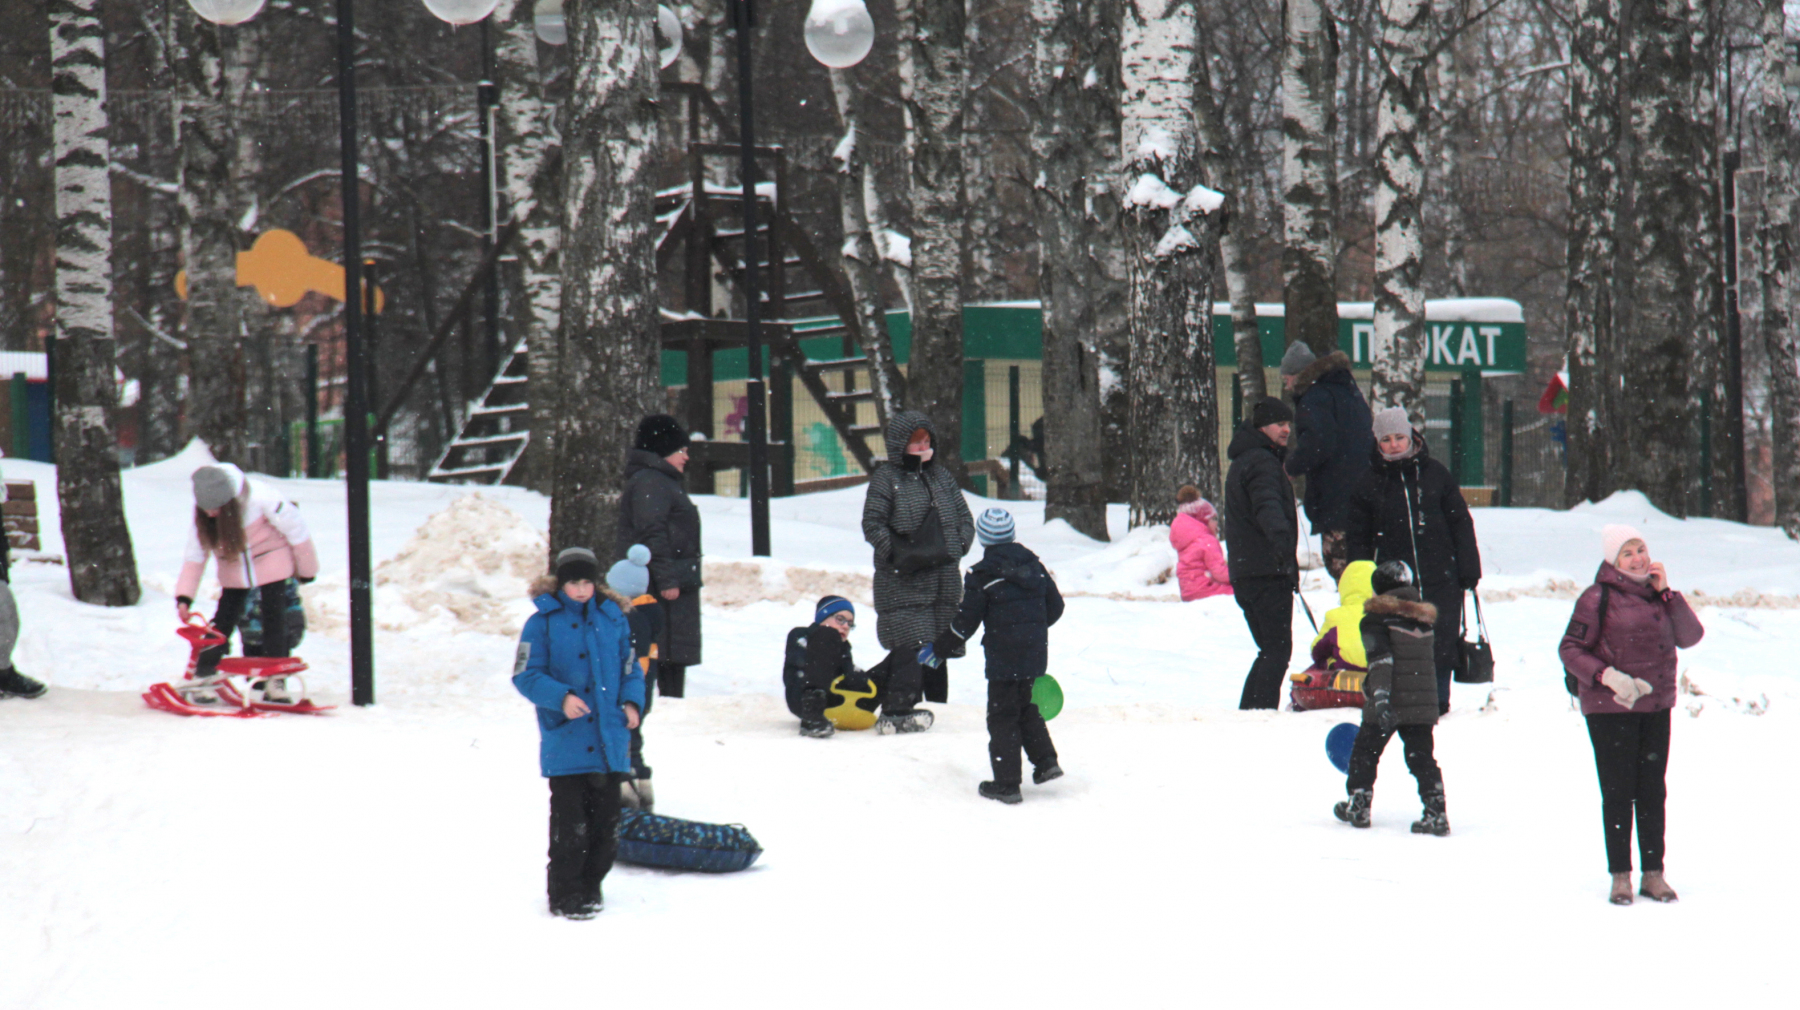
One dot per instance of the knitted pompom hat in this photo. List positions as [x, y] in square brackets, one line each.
[630, 575]
[995, 526]
[575, 564]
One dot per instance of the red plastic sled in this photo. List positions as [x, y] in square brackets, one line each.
[1315, 691]
[235, 683]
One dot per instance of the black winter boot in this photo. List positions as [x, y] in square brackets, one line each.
[997, 791]
[1433, 821]
[14, 684]
[1039, 776]
[1355, 810]
[812, 715]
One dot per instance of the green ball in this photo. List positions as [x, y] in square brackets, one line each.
[1047, 695]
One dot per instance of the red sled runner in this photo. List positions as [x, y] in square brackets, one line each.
[1314, 688]
[241, 685]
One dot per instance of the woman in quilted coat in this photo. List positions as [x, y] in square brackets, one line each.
[1620, 648]
[917, 582]
[1195, 536]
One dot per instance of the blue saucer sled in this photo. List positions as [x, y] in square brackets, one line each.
[1338, 743]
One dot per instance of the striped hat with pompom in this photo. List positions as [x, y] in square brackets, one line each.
[994, 527]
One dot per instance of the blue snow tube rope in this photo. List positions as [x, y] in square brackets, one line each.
[671, 843]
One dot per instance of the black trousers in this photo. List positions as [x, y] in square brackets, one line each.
[1012, 720]
[1268, 606]
[584, 836]
[1365, 757]
[272, 598]
[1446, 634]
[1631, 753]
[671, 679]
[639, 769]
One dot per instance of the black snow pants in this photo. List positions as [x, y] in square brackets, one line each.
[1631, 752]
[584, 836]
[272, 598]
[1268, 606]
[1013, 719]
[1365, 756]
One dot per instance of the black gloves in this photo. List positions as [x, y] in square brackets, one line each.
[1470, 582]
[1386, 719]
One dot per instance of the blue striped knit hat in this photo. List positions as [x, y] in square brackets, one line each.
[829, 605]
[994, 527]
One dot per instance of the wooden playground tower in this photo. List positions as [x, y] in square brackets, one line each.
[702, 223]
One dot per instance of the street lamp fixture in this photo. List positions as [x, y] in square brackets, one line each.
[547, 17]
[839, 33]
[227, 12]
[668, 37]
[461, 12]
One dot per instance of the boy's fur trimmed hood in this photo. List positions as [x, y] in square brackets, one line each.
[1396, 606]
[1318, 370]
[545, 585]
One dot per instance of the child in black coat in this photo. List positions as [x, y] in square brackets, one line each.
[629, 581]
[817, 655]
[1012, 592]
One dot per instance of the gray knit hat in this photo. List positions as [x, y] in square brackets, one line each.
[995, 526]
[215, 485]
[1391, 421]
[1296, 359]
[630, 575]
[576, 563]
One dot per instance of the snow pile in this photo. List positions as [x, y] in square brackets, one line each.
[757, 580]
[1141, 565]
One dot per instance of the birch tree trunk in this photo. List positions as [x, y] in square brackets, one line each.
[96, 541]
[1454, 131]
[259, 343]
[932, 70]
[986, 279]
[1076, 58]
[611, 348]
[1653, 425]
[209, 239]
[1219, 165]
[1777, 239]
[1171, 382]
[1397, 348]
[525, 139]
[1708, 367]
[1309, 174]
[862, 263]
[1594, 198]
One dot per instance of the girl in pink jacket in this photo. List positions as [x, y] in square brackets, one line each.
[260, 542]
[1195, 536]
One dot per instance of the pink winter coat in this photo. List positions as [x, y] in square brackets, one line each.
[275, 539]
[1642, 630]
[1202, 566]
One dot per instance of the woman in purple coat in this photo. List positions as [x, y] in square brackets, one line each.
[1620, 647]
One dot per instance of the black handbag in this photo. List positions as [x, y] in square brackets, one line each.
[687, 573]
[924, 547]
[1474, 660]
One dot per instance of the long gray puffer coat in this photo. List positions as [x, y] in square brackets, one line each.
[654, 510]
[913, 609]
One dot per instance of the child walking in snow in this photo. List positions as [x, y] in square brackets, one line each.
[629, 577]
[1401, 688]
[817, 655]
[1013, 594]
[575, 664]
[1195, 536]
[260, 542]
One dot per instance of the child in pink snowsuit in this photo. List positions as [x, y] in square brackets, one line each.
[1195, 536]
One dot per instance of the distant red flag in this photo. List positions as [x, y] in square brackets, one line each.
[1556, 396]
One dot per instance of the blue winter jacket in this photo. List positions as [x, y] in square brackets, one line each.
[583, 649]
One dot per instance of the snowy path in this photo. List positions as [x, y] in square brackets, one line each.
[393, 856]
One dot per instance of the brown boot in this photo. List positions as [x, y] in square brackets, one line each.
[1655, 887]
[1621, 889]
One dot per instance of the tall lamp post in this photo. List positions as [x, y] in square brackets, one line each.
[356, 405]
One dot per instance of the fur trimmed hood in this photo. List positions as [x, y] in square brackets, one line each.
[546, 585]
[1318, 370]
[1389, 605]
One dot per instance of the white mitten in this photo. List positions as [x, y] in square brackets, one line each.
[1645, 688]
[1624, 688]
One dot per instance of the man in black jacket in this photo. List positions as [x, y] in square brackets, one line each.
[1331, 444]
[1261, 530]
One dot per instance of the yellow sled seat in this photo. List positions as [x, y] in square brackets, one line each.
[852, 710]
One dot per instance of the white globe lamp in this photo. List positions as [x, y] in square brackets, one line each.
[839, 33]
[461, 12]
[226, 12]
[668, 37]
[552, 30]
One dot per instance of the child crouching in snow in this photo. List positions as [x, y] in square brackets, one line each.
[1402, 690]
[575, 664]
[1013, 594]
[817, 655]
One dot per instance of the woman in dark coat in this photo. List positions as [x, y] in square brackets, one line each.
[912, 608]
[1409, 507]
[655, 511]
[1620, 647]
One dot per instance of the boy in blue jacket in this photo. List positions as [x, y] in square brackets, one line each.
[1010, 590]
[575, 664]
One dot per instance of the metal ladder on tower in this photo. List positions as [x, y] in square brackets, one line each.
[496, 432]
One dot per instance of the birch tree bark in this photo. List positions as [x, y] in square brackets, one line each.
[1309, 174]
[525, 139]
[932, 74]
[986, 277]
[1708, 367]
[1076, 54]
[1454, 130]
[611, 348]
[213, 327]
[1397, 347]
[1220, 168]
[862, 263]
[96, 541]
[1653, 423]
[1594, 197]
[1777, 240]
[1171, 382]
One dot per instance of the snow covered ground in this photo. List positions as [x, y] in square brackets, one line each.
[392, 856]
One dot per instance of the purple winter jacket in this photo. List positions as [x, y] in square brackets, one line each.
[1643, 629]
